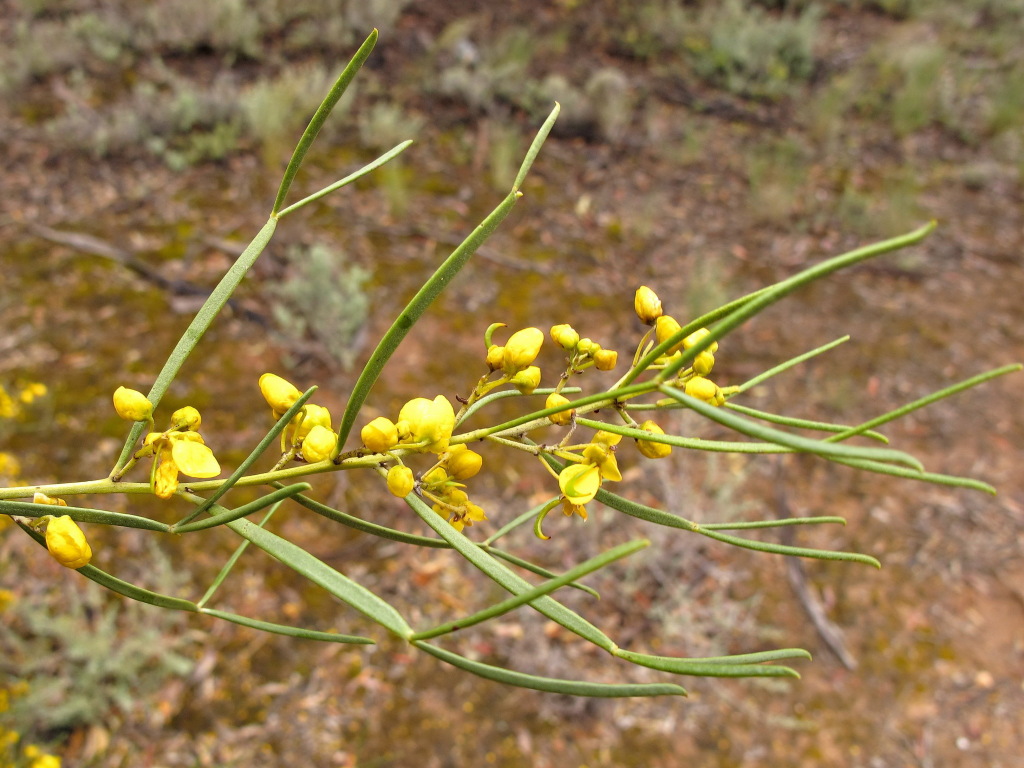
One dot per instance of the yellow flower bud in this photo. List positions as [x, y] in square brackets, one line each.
[522, 349]
[435, 477]
[279, 394]
[647, 305]
[565, 336]
[664, 328]
[310, 416]
[586, 346]
[401, 481]
[703, 389]
[605, 359]
[42, 498]
[649, 448]
[579, 483]
[429, 421]
[67, 543]
[704, 362]
[319, 444]
[526, 380]
[132, 405]
[380, 435]
[463, 463]
[165, 478]
[186, 418]
[564, 417]
[607, 438]
[495, 356]
[697, 336]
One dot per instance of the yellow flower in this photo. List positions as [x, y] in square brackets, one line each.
[569, 509]
[429, 421]
[179, 452]
[279, 394]
[380, 435]
[565, 336]
[649, 448]
[132, 405]
[526, 380]
[554, 401]
[605, 359]
[67, 543]
[400, 481]
[522, 349]
[647, 305]
[579, 483]
[318, 444]
[463, 463]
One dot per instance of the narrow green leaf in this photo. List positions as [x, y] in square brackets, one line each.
[367, 527]
[319, 572]
[228, 515]
[721, 328]
[238, 474]
[320, 117]
[210, 309]
[372, 166]
[794, 361]
[924, 477]
[550, 684]
[821, 448]
[926, 400]
[759, 656]
[690, 443]
[506, 578]
[284, 629]
[534, 150]
[704, 668]
[426, 295]
[578, 572]
[785, 521]
[508, 557]
[230, 564]
[652, 515]
[789, 421]
[82, 515]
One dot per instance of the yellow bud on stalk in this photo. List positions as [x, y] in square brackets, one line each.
[279, 394]
[318, 444]
[310, 416]
[429, 421]
[463, 463]
[400, 481]
[704, 389]
[186, 418]
[564, 417]
[666, 327]
[605, 359]
[565, 336]
[522, 349]
[704, 362]
[526, 380]
[67, 543]
[380, 435]
[495, 357]
[649, 448]
[132, 405]
[696, 337]
[647, 305]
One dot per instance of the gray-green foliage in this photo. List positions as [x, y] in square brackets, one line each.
[754, 53]
[322, 302]
[86, 653]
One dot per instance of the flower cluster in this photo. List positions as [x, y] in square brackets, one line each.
[179, 449]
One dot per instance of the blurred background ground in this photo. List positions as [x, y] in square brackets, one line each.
[704, 149]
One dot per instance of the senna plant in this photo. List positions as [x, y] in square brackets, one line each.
[425, 457]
